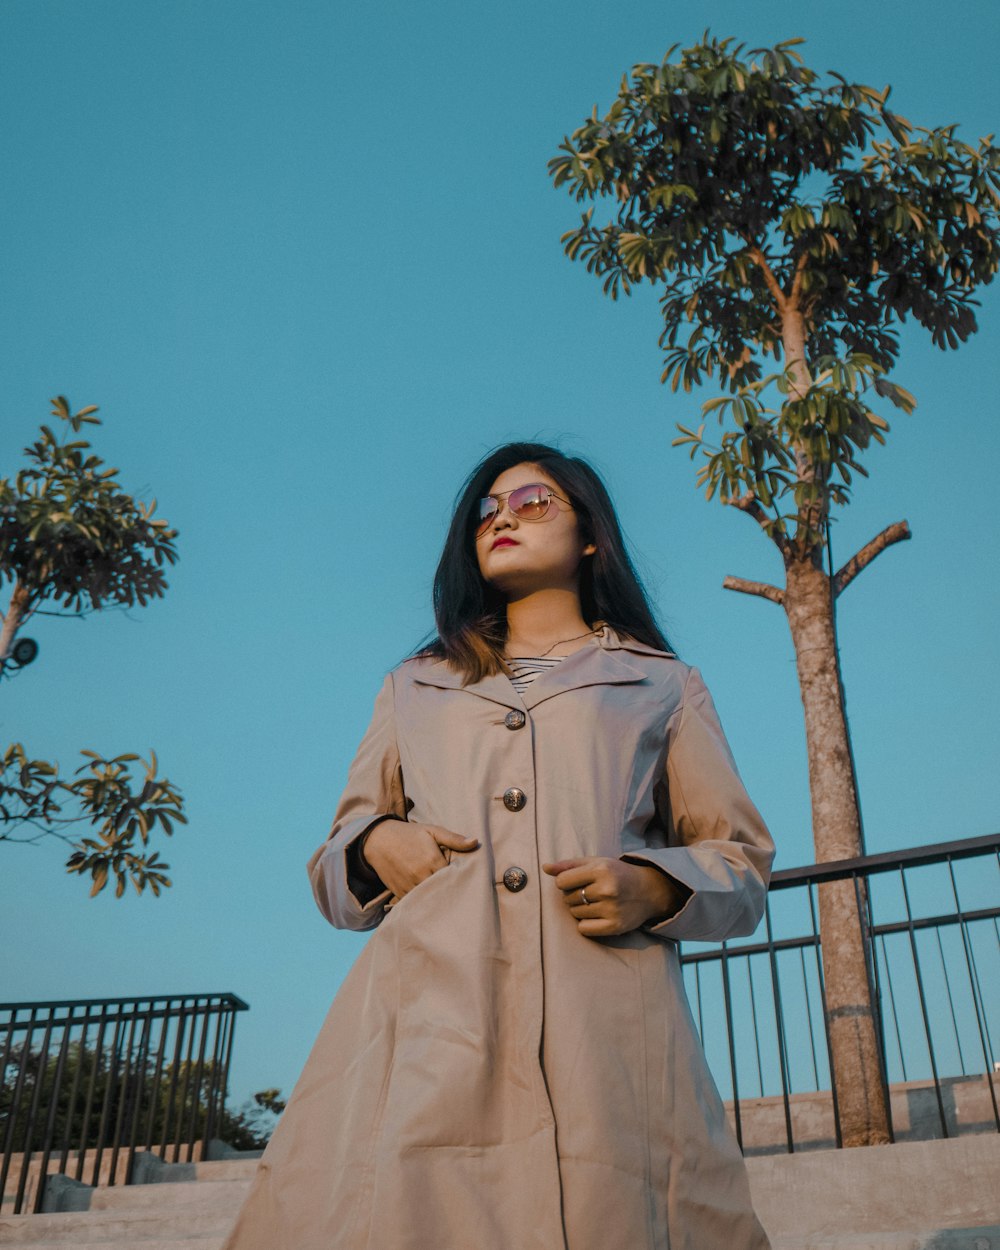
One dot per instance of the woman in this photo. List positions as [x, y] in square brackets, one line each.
[543, 805]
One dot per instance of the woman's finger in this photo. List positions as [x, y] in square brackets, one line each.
[561, 865]
[418, 859]
[598, 928]
[453, 841]
[575, 878]
[583, 897]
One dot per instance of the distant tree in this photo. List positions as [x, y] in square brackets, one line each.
[171, 1106]
[250, 1127]
[70, 537]
[801, 220]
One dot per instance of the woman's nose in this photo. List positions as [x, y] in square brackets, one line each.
[504, 516]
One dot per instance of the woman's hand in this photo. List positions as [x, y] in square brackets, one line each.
[620, 896]
[404, 853]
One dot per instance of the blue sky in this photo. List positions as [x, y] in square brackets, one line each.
[305, 257]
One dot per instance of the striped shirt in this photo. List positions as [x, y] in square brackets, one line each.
[525, 668]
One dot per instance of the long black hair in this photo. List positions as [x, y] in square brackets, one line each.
[471, 615]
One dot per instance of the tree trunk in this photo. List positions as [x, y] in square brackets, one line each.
[850, 1016]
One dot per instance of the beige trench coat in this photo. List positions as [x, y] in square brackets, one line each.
[487, 1078]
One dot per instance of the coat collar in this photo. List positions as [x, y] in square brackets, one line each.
[612, 641]
[600, 662]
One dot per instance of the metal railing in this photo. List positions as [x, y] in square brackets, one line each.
[85, 1085]
[931, 917]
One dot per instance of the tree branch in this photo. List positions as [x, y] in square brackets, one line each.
[754, 588]
[82, 614]
[17, 612]
[800, 268]
[43, 831]
[771, 282]
[895, 533]
[751, 505]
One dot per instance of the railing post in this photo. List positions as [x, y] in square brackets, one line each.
[779, 1024]
[863, 895]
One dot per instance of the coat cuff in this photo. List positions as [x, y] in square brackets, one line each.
[346, 900]
[725, 899]
[362, 879]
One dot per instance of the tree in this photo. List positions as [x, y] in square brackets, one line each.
[801, 220]
[168, 1103]
[71, 537]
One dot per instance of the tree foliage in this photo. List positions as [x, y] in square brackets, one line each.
[828, 424]
[70, 536]
[104, 794]
[792, 218]
[69, 533]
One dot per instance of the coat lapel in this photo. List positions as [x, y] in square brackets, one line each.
[496, 688]
[603, 663]
[590, 666]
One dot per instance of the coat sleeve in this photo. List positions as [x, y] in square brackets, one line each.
[374, 792]
[718, 849]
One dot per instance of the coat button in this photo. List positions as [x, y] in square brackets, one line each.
[515, 879]
[514, 799]
[514, 719]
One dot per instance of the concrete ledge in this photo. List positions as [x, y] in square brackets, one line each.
[939, 1187]
[943, 1239]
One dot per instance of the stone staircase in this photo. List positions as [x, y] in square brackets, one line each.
[934, 1195]
[173, 1206]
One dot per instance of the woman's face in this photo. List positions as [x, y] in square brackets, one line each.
[519, 557]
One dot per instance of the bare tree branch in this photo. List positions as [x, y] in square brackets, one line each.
[898, 532]
[751, 505]
[43, 832]
[81, 615]
[763, 589]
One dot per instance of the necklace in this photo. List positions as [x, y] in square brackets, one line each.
[542, 654]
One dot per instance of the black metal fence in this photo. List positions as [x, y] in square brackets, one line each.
[84, 1085]
[931, 915]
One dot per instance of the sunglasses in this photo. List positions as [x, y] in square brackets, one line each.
[527, 503]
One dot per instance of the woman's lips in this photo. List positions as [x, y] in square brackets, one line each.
[503, 542]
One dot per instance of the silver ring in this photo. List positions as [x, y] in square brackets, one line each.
[583, 895]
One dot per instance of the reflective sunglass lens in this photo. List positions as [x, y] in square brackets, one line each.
[488, 509]
[529, 502]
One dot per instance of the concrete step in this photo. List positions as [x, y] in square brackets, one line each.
[947, 1239]
[986, 1238]
[183, 1243]
[942, 1195]
[186, 1195]
[152, 1170]
[119, 1228]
